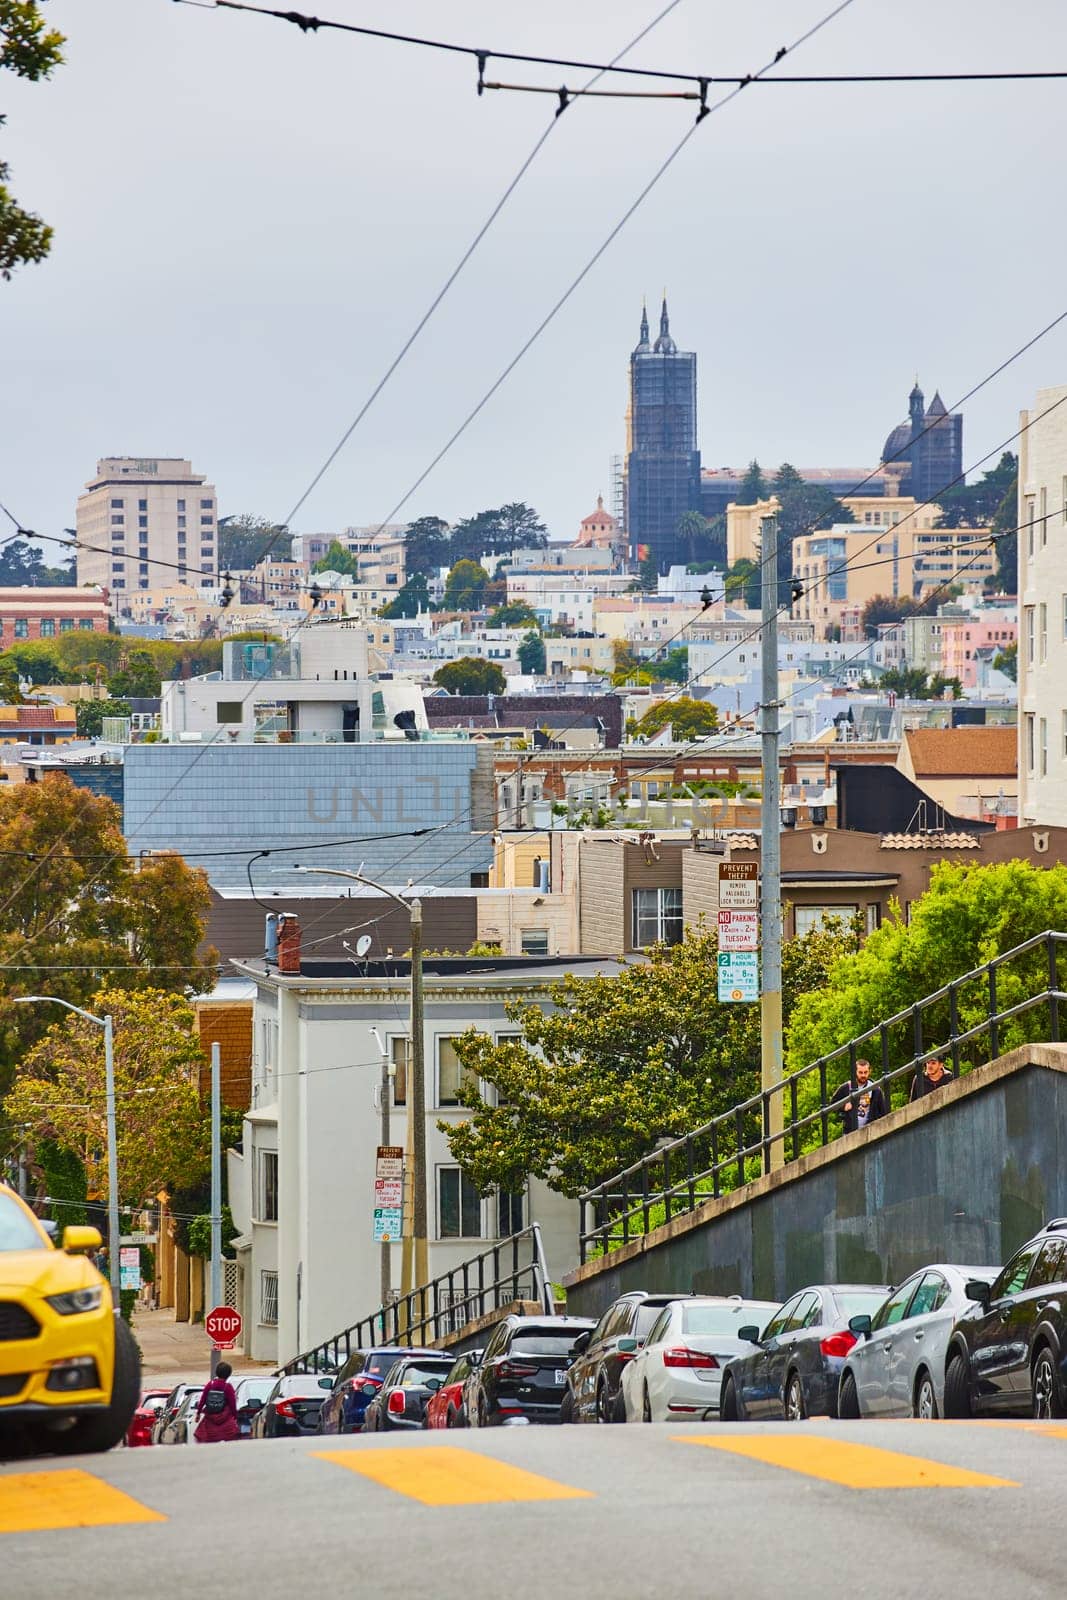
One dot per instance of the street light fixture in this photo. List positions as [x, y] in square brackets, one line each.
[416, 1249]
[112, 1139]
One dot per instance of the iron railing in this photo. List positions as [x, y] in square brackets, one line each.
[970, 1017]
[512, 1269]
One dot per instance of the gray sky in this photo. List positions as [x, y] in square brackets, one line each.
[249, 222]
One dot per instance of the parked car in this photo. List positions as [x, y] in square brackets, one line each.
[795, 1369]
[675, 1375]
[356, 1383]
[170, 1408]
[144, 1418]
[401, 1401]
[523, 1372]
[593, 1391]
[1008, 1352]
[179, 1427]
[291, 1410]
[447, 1407]
[251, 1395]
[897, 1366]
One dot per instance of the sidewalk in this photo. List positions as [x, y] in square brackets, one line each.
[173, 1352]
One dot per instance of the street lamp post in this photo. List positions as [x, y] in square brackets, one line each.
[416, 1254]
[112, 1138]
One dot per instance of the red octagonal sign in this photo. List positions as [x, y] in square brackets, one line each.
[223, 1327]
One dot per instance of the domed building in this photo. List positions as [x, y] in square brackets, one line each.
[925, 453]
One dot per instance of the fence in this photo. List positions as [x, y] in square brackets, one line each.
[512, 1269]
[798, 1114]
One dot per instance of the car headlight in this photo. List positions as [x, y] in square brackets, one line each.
[77, 1300]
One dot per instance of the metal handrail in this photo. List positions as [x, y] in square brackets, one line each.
[623, 1206]
[433, 1310]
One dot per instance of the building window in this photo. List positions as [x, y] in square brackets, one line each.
[268, 1186]
[205, 522]
[181, 522]
[1029, 733]
[205, 505]
[449, 1072]
[1042, 632]
[118, 522]
[48, 627]
[268, 1299]
[657, 917]
[811, 919]
[1044, 515]
[1042, 743]
[1029, 618]
[534, 941]
[207, 550]
[116, 505]
[142, 522]
[510, 1213]
[181, 505]
[459, 1205]
[85, 624]
[1063, 747]
[400, 1055]
[1030, 514]
[230, 711]
[22, 628]
[142, 505]
[874, 916]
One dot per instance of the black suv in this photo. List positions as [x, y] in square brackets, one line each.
[594, 1382]
[523, 1370]
[1009, 1351]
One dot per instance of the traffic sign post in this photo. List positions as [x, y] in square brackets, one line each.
[223, 1327]
[738, 930]
[738, 976]
[738, 885]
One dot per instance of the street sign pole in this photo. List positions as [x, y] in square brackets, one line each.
[770, 847]
[216, 1186]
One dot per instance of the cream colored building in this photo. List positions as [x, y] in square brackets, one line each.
[868, 511]
[145, 520]
[1043, 610]
[843, 567]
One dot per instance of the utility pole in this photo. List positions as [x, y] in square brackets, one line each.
[216, 1188]
[770, 845]
[386, 1091]
[417, 1103]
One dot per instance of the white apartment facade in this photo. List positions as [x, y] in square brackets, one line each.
[1042, 661]
[147, 521]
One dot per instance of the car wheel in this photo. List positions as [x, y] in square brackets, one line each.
[957, 1388]
[646, 1406]
[1045, 1388]
[848, 1400]
[728, 1411]
[925, 1406]
[795, 1410]
[483, 1412]
[618, 1406]
[102, 1430]
[566, 1406]
[603, 1403]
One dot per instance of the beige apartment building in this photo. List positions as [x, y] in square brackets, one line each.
[144, 522]
[868, 510]
[843, 567]
[1043, 609]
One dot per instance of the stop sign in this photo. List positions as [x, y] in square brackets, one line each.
[223, 1327]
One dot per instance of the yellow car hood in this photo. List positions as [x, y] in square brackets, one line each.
[46, 1271]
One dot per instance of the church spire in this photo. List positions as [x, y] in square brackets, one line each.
[643, 345]
[916, 408]
[665, 345]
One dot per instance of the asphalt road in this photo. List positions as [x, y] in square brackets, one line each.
[878, 1510]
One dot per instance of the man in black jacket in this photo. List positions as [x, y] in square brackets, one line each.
[863, 1100]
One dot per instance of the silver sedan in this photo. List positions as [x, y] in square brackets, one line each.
[897, 1366]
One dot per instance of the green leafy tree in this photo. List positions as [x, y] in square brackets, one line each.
[472, 675]
[30, 50]
[618, 1064]
[338, 559]
[882, 608]
[648, 573]
[974, 505]
[787, 477]
[426, 546]
[465, 587]
[138, 676]
[520, 528]
[804, 508]
[673, 667]
[23, 563]
[688, 718]
[753, 486]
[89, 715]
[411, 599]
[1007, 661]
[532, 655]
[915, 684]
[743, 584]
[693, 532]
[244, 539]
[512, 615]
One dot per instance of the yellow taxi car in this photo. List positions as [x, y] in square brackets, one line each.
[70, 1370]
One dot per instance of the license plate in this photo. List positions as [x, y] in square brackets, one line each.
[561, 1378]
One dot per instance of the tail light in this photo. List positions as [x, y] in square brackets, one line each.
[284, 1408]
[365, 1385]
[515, 1369]
[397, 1403]
[679, 1356]
[837, 1344]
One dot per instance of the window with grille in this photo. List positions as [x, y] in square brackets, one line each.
[268, 1299]
[459, 1205]
[657, 917]
[535, 941]
[510, 1213]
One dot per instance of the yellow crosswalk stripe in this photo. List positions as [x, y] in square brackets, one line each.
[443, 1475]
[30, 1501]
[856, 1466]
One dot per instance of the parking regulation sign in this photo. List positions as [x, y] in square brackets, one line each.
[386, 1224]
[738, 974]
[738, 930]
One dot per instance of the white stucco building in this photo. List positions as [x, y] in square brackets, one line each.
[1043, 610]
[302, 1188]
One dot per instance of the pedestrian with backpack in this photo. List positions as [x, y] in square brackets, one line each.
[217, 1408]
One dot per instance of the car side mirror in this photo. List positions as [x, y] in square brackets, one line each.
[325, 1383]
[860, 1325]
[475, 1359]
[581, 1343]
[50, 1227]
[976, 1289]
[433, 1384]
[79, 1241]
[626, 1347]
[750, 1333]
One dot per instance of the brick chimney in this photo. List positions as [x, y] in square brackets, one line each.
[289, 943]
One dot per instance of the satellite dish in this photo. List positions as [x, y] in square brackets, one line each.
[363, 944]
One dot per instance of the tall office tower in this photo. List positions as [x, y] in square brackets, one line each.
[143, 523]
[926, 452]
[663, 463]
[1042, 521]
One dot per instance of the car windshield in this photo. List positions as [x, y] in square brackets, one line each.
[858, 1302]
[647, 1317]
[415, 1376]
[255, 1389]
[17, 1232]
[724, 1319]
[543, 1344]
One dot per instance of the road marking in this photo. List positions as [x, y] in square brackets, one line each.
[856, 1466]
[30, 1501]
[444, 1475]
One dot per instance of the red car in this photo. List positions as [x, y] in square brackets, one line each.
[445, 1408]
[145, 1417]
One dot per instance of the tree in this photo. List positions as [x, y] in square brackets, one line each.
[648, 573]
[22, 562]
[138, 676]
[76, 909]
[753, 486]
[974, 505]
[245, 540]
[32, 51]
[465, 586]
[472, 675]
[89, 715]
[688, 719]
[338, 559]
[512, 615]
[742, 583]
[1004, 527]
[881, 608]
[804, 508]
[163, 1131]
[426, 546]
[1007, 661]
[787, 477]
[914, 684]
[411, 599]
[616, 1065]
[532, 656]
[693, 532]
[520, 528]
[674, 668]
